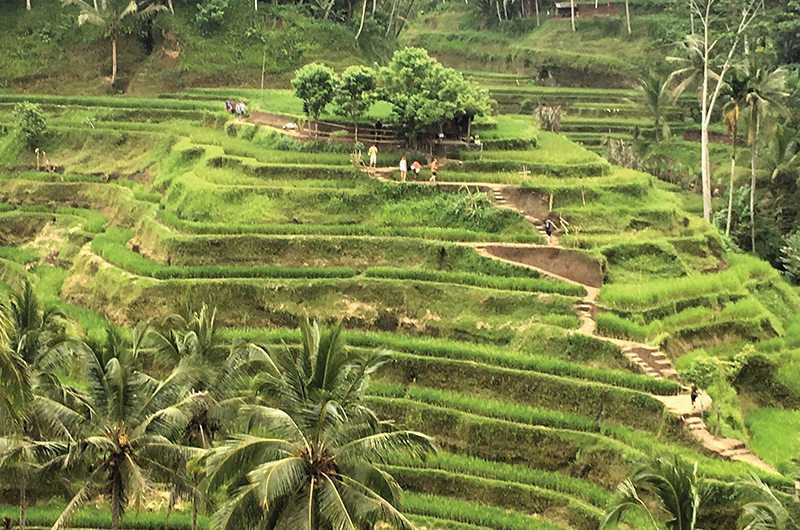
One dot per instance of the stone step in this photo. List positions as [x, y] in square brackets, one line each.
[662, 363]
[670, 373]
[658, 355]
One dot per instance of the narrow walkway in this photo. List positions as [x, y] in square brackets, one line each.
[644, 358]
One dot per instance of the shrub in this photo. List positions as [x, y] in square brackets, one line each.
[790, 256]
[210, 14]
[31, 122]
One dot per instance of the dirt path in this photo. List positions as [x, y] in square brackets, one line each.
[645, 358]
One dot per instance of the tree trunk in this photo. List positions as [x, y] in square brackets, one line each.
[497, 5]
[363, 16]
[658, 128]
[374, 7]
[405, 18]
[255, 5]
[195, 510]
[730, 188]
[391, 18]
[536, 4]
[113, 61]
[116, 502]
[171, 8]
[628, 15]
[753, 157]
[505, 8]
[263, 66]
[355, 128]
[705, 165]
[28, 5]
[23, 503]
[572, 13]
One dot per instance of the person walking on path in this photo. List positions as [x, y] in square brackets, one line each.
[403, 169]
[548, 229]
[434, 169]
[693, 396]
[373, 156]
[416, 167]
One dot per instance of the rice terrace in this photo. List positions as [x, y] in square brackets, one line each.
[399, 264]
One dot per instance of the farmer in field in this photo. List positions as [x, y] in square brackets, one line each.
[373, 156]
[434, 169]
[416, 167]
[548, 229]
[403, 169]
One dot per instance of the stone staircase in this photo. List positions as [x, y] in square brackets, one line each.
[643, 357]
[650, 360]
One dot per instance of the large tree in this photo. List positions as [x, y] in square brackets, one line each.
[307, 461]
[426, 96]
[125, 438]
[219, 378]
[315, 84]
[38, 348]
[734, 98]
[112, 17]
[766, 91]
[714, 51]
[355, 94]
[657, 97]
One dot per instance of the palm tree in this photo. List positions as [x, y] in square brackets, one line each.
[125, 437]
[765, 509]
[111, 16]
[13, 372]
[657, 96]
[312, 464]
[781, 158]
[734, 94]
[766, 91]
[217, 386]
[673, 483]
[38, 348]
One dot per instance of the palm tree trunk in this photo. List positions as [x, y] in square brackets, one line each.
[116, 502]
[374, 7]
[628, 15]
[255, 5]
[28, 5]
[355, 126]
[171, 8]
[572, 13]
[363, 16]
[753, 157]
[497, 5]
[195, 509]
[113, 60]
[536, 4]
[505, 8]
[23, 503]
[730, 188]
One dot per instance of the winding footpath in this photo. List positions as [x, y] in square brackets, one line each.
[644, 358]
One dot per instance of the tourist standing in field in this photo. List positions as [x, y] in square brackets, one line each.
[373, 156]
[403, 169]
[434, 169]
[416, 167]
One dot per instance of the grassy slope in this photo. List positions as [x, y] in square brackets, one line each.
[44, 51]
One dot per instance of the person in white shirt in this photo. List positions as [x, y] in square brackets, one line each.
[403, 169]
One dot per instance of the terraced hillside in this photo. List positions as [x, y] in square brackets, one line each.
[543, 370]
